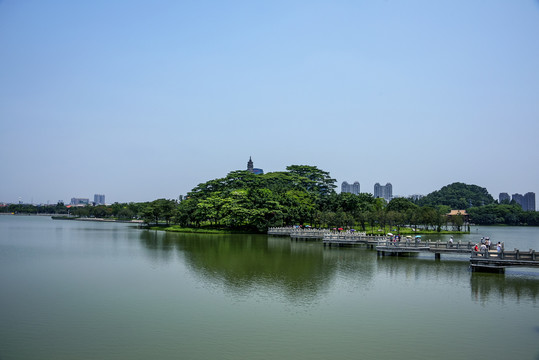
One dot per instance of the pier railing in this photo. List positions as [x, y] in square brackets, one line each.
[353, 237]
[516, 254]
[280, 230]
[311, 233]
[434, 245]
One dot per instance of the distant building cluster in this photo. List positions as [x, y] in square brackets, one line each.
[350, 188]
[99, 199]
[380, 191]
[251, 168]
[383, 191]
[526, 201]
[504, 197]
[79, 201]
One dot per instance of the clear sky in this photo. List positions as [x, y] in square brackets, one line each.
[140, 100]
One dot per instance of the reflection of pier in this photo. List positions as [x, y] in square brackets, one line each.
[483, 287]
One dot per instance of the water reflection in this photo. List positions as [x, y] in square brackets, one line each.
[159, 245]
[302, 270]
[417, 267]
[297, 270]
[485, 287]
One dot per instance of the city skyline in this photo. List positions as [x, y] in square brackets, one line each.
[527, 201]
[383, 191]
[145, 101]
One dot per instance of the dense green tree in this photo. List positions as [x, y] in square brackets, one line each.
[125, 214]
[400, 205]
[458, 196]
[314, 179]
[158, 209]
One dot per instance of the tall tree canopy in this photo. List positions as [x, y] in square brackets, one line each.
[318, 181]
[243, 199]
[458, 196]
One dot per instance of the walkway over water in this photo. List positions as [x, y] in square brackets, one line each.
[309, 233]
[353, 239]
[497, 262]
[436, 247]
[484, 260]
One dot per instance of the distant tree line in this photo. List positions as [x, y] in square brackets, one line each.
[118, 211]
[301, 195]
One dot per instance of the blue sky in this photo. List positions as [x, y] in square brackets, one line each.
[141, 100]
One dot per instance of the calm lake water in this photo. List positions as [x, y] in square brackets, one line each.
[88, 290]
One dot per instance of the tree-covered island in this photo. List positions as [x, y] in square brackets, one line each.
[301, 195]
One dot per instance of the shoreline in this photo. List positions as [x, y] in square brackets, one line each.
[56, 217]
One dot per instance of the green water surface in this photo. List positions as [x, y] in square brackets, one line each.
[89, 290]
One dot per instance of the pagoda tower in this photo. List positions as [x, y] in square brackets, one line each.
[250, 165]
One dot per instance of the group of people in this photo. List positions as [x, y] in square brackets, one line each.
[486, 244]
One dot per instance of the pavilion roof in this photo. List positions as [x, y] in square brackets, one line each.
[457, 212]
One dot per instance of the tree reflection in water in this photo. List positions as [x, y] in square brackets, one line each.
[242, 263]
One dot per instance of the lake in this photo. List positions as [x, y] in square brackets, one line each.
[91, 290]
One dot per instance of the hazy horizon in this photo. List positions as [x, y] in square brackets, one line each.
[337, 189]
[145, 100]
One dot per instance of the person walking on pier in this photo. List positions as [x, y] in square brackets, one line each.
[451, 241]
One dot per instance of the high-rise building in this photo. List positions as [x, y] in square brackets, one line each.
[383, 191]
[529, 201]
[80, 201]
[526, 201]
[251, 168]
[519, 199]
[350, 188]
[99, 199]
[504, 197]
[377, 190]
